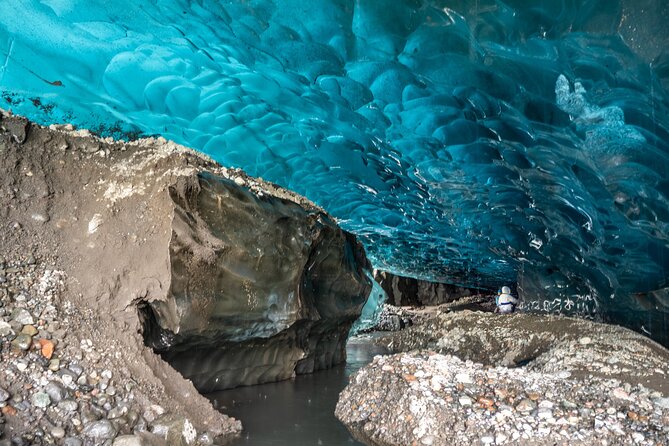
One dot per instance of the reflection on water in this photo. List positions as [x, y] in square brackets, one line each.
[299, 411]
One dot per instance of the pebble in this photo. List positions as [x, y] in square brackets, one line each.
[30, 330]
[465, 401]
[100, 430]
[56, 391]
[129, 440]
[4, 395]
[22, 342]
[662, 403]
[58, 432]
[41, 400]
[23, 317]
[68, 405]
[463, 378]
[5, 329]
[526, 405]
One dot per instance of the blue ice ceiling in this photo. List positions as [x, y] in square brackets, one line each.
[478, 142]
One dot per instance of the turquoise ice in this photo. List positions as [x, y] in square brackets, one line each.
[480, 143]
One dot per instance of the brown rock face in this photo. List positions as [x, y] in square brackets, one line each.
[261, 288]
[407, 291]
[232, 279]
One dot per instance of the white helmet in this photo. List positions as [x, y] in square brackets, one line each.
[506, 290]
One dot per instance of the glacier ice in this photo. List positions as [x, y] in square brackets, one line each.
[471, 142]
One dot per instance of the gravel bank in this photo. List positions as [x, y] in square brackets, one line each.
[479, 378]
[80, 220]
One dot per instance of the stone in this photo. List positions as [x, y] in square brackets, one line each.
[620, 393]
[9, 411]
[465, 401]
[22, 342]
[68, 405]
[662, 403]
[464, 378]
[129, 440]
[176, 430]
[100, 430]
[4, 395]
[56, 391]
[58, 432]
[526, 405]
[5, 329]
[54, 364]
[46, 348]
[30, 330]
[23, 317]
[40, 399]
[72, 441]
[585, 340]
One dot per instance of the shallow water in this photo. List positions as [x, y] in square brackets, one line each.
[298, 411]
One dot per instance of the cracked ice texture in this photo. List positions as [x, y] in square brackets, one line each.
[468, 142]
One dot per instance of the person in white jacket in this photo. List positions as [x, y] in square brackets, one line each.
[505, 302]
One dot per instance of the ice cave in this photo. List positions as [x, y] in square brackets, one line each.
[468, 144]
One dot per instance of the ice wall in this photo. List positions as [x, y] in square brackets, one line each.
[475, 142]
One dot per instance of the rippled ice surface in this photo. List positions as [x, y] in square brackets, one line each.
[299, 411]
[478, 142]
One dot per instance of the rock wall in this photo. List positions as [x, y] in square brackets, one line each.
[407, 291]
[251, 281]
[261, 288]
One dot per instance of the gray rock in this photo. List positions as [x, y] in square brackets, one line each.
[116, 412]
[5, 329]
[129, 440]
[100, 430]
[56, 391]
[40, 399]
[58, 432]
[68, 405]
[176, 430]
[662, 403]
[4, 395]
[526, 405]
[71, 441]
[76, 369]
[23, 317]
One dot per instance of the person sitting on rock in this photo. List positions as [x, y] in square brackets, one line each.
[505, 302]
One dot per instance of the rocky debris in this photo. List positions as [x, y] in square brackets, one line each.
[543, 343]
[66, 393]
[407, 291]
[392, 318]
[434, 399]
[479, 378]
